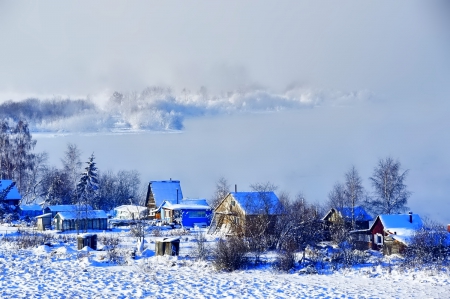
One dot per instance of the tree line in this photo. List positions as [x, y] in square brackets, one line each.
[71, 183]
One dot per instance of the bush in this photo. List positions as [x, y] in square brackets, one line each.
[26, 239]
[114, 254]
[230, 254]
[286, 258]
[201, 250]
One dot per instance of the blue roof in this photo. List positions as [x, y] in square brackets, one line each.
[255, 203]
[360, 213]
[166, 191]
[13, 193]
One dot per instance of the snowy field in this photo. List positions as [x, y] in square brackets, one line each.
[61, 271]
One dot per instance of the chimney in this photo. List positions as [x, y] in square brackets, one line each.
[448, 228]
[410, 217]
[235, 187]
[177, 195]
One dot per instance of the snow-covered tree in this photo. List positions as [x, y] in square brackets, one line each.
[87, 189]
[390, 192]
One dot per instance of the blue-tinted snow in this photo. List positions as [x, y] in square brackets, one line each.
[13, 193]
[254, 203]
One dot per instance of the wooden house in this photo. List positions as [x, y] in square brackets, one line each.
[159, 192]
[81, 220]
[188, 213]
[239, 209]
[391, 234]
[13, 196]
[130, 212]
[346, 215]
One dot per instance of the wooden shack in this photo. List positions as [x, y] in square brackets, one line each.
[167, 246]
[81, 220]
[44, 221]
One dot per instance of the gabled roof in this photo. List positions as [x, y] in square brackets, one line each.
[94, 214]
[399, 226]
[13, 194]
[34, 207]
[257, 203]
[166, 191]
[346, 214]
[188, 204]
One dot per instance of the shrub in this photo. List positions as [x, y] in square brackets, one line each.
[201, 250]
[230, 254]
[286, 258]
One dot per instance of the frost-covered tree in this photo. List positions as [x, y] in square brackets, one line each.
[87, 189]
[71, 163]
[390, 194]
[354, 190]
[222, 190]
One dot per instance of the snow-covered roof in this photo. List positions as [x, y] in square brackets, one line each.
[359, 212]
[13, 193]
[35, 207]
[399, 226]
[44, 215]
[65, 208]
[93, 214]
[188, 204]
[131, 208]
[166, 190]
[255, 203]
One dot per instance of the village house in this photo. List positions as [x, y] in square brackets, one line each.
[338, 218]
[130, 212]
[187, 212]
[13, 196]
[81, 220]
[391, 234]
[238, 209]
[345, 216]
[159, 192]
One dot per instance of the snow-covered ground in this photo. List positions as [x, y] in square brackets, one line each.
[61, 271]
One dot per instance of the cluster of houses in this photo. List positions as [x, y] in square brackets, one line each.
[165, 204]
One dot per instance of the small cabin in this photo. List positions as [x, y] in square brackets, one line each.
[159, 192]
[44, 222]
[30, 210]
[81, 220]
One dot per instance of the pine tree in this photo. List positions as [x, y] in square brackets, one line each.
[87, 189]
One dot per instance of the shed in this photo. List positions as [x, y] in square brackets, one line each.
[95, 219]
[44, 221]
[167, 246]
[89, 240]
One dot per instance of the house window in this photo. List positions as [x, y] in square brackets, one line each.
[197, 214]
[233, 203]
[378, 239]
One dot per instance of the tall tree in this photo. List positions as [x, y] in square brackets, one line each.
[390, 192]
[72, 166]
[87, 189]
[353, 190]
[336, 197]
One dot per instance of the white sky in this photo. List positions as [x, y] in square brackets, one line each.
[398, 51]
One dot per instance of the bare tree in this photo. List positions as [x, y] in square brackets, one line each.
[353, 190]
[336, 197]
[72, 167]
[222, 190]
[390, 193]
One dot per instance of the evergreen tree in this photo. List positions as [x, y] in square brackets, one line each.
[87, 190]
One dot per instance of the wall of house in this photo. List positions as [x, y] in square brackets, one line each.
[190, 217]
[84, 224]
[229, 215]
[377, 228]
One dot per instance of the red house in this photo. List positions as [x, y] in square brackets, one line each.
[392, 233]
